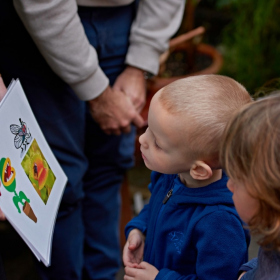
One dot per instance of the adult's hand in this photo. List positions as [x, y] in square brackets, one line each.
[132, 82]
[2, 88]
[114, 112]
[2, 216]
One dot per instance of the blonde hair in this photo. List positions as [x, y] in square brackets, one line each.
[207, 101]
[250, 154]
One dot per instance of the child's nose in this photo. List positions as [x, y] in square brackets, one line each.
[142, 140]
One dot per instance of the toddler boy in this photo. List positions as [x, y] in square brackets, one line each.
[190, 228]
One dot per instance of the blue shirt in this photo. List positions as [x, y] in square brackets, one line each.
[265, 267]
[195, 234]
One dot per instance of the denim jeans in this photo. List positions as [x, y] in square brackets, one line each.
[86, 235]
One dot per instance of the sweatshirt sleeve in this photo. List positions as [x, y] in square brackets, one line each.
[221, 249]
[252, 264]
[155, 23]
[56, 29]
[250, 268]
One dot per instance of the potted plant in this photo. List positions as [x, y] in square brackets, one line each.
[251, 41]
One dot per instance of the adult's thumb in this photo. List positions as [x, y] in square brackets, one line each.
[138, 121]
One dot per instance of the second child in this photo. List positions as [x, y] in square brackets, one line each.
[250, 154]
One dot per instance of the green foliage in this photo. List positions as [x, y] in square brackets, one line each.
[252, 41]
[271, 86]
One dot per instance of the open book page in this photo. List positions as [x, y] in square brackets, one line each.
[32, 182]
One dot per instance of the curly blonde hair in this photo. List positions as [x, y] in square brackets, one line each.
[250, 154]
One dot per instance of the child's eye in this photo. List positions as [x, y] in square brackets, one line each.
[156, 145]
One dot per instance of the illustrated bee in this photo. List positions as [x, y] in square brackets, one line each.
[23, 137]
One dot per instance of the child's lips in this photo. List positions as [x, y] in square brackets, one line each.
[143, 156]
[141, 150]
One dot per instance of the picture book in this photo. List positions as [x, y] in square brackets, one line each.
[31, 180]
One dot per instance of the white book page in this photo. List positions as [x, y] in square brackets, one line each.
[32, 181]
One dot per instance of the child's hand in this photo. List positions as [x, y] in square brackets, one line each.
[145, 271]
[134, 248]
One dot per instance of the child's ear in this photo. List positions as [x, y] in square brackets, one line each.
[201, 171]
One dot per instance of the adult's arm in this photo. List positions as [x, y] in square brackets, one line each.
[58, 33]
[56, 29]
[155, 23]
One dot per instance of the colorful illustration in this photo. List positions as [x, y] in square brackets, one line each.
[38, 171]
[22, 136]
[8, 178]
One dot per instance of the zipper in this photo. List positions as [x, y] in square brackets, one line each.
[166, 198]
[168, 195]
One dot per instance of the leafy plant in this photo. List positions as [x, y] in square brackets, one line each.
[269, 87]
[251, 41]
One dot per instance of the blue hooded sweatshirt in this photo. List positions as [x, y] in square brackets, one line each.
[191, 233]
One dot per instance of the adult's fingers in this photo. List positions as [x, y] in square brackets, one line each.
[126, 129]
[138, 121]
[2, 216]
[112, 131]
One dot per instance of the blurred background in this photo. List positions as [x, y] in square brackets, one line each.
[237, 38]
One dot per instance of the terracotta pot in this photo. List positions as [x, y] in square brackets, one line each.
[183, 42]
[158, 82]
[29, 212]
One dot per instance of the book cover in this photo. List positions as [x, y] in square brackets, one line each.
[31, 180]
